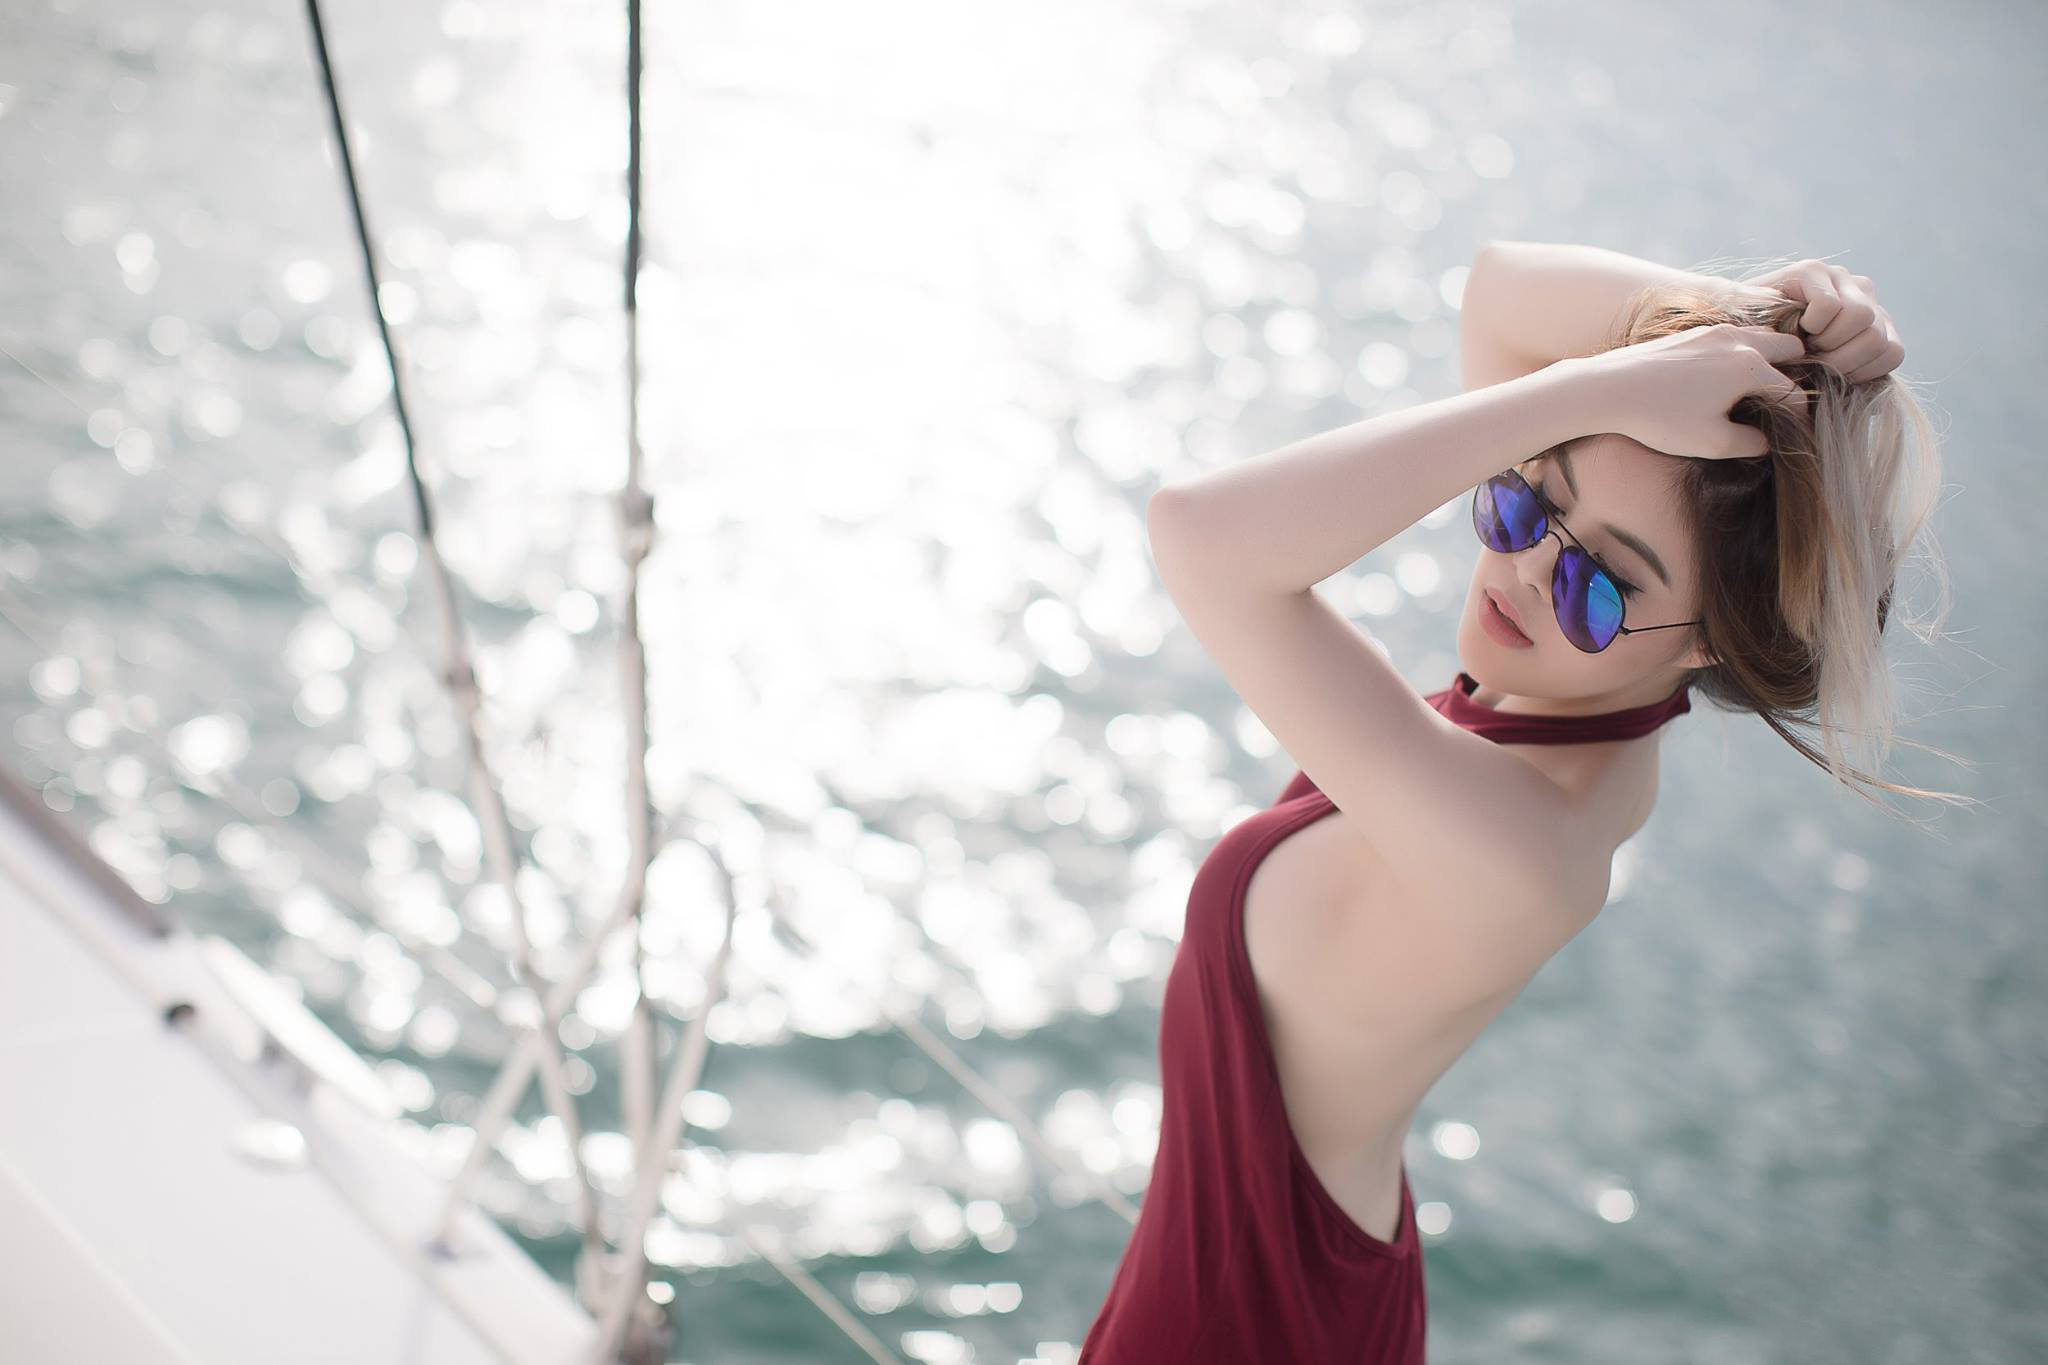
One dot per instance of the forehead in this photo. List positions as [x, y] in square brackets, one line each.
[1613, 476]
[1620, 483]
[1606, 455]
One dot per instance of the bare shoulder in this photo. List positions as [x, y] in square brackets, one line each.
[1489, 946]
[1360, 955]
[1353, 951]
[1431, 796]
[1596, 802]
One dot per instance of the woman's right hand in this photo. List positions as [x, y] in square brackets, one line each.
[1674, 393]
[1848, 331]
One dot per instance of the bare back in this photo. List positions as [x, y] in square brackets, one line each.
[1371, 993]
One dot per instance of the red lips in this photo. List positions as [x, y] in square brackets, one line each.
[1507, 610]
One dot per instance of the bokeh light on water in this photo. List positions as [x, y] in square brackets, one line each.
[936, 295]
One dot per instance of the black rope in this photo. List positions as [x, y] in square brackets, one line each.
[648, 1339]
[632, 166]
[355, 199]
[636, 503]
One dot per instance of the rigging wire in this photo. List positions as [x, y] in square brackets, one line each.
[460, 678]
[639, 1043]
[635, 507]
[653, 1128]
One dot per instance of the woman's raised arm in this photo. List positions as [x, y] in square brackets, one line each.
[1240, 550]
[1529, 304]
[1288, 519]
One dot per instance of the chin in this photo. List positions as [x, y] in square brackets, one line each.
[1551, 669]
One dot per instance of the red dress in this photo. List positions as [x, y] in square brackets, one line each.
[1240, 1255]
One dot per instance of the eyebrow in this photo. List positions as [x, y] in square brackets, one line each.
[1644, 552]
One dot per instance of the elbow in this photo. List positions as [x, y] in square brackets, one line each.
[1494, 254]
[1168, 508]
[1505, 246]
[1170, 495]
[1166, 517]
[1188, 528]
[1500, 253]
[1492, 249]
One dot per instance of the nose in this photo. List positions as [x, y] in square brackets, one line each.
[1535, 565]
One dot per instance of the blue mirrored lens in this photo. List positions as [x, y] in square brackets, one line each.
[1509, 519]
[1587, 603]
[1506, 514]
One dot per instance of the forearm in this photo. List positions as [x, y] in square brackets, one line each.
[1540, 302]
[1286, 520]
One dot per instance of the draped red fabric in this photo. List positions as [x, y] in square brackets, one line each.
[1240, 1255]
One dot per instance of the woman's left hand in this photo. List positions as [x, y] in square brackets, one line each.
[1845, 328]
[1674, 393]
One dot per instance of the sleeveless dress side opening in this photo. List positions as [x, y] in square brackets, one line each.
[1241, 1256]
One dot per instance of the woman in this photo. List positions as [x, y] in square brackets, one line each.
[1682, 483]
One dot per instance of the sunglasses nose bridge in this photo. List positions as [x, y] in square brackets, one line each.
[1549, 533]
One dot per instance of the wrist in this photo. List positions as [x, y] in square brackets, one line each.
[1590, 393]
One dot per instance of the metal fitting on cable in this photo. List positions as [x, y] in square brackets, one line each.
[636, 523]
[460, 679]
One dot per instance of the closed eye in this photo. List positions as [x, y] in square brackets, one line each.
[1628, 589]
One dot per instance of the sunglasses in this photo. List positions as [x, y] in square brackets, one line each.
[1510, 516]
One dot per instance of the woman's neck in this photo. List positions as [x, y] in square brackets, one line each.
[1644, 693]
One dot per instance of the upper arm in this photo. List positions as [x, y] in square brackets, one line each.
[1445, 808]
[1484, 359]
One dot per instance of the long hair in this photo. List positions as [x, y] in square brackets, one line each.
[1797, 552]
